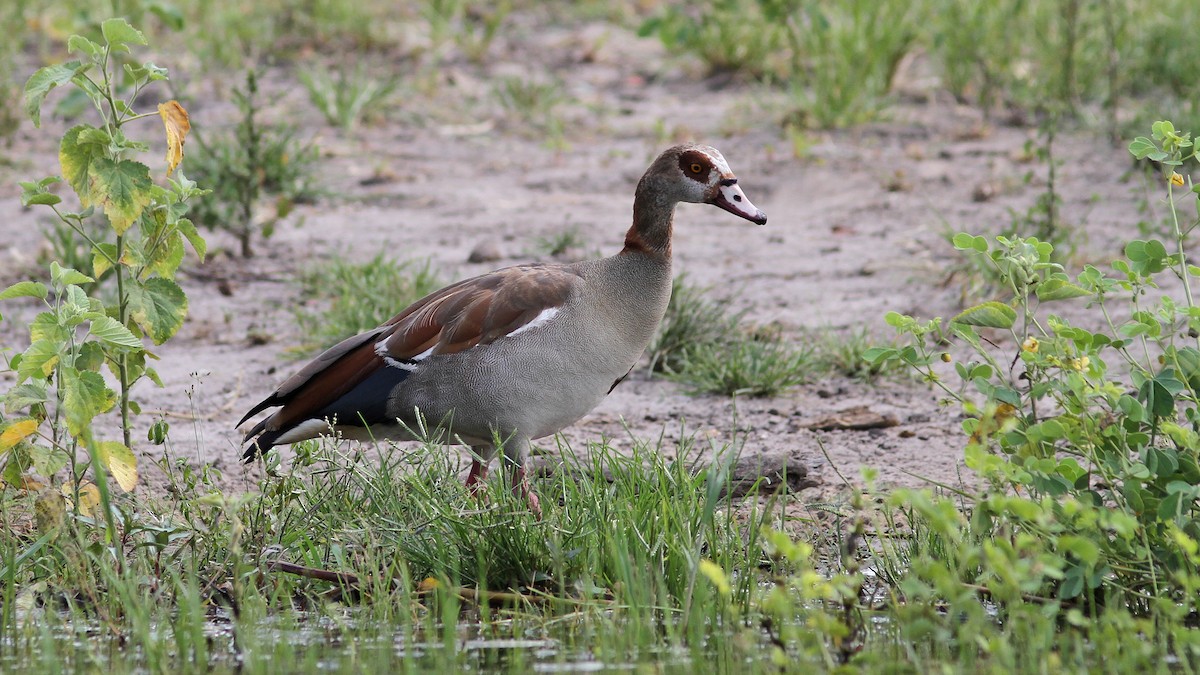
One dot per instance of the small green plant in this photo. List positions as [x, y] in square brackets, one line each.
[561, 241]
[746, 364]
[843, 353]
[1086, 435]
[692, 319]
[354, 297]
[535, 106]
[727, 35]
[59, 389]
[348, 98]
[255, 162]
[844, 56]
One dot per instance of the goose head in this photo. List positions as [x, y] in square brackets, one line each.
[699, 174]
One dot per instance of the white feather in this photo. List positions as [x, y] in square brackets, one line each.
[541, 319]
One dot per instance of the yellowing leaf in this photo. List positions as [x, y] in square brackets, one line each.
[80, 148]
[120, 462]
[17, 432]
[122, 188]
[175, 119]
[85, 395]
[49, 509]
[89, 498]
[159, 307]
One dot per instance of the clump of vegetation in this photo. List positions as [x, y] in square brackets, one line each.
[560, 242]
[256, 163]
[843, 353]
[693, 318]
[837, 61]
[700, 344]
[342, 298]
[348, 98]
[535, 107]
[746, 364]
[1093, 505]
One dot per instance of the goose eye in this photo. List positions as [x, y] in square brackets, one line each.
[696, 168]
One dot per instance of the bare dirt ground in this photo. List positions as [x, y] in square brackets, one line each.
[857, 227]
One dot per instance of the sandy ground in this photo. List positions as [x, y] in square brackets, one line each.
[857, 227]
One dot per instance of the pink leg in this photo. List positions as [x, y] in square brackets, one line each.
[520, 487]
[478, 474]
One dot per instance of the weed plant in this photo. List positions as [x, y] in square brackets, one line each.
[1086, 437]
[348, 98]
[746, 365]
[255, 163]
[342, 298]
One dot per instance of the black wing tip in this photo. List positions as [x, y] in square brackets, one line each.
[260, 440]
[267, 402]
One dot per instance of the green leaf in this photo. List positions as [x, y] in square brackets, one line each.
[85, 395]
[989, 314]
[120, 462]
[968, 242]
[78, 43]
[1170, 507]
[62, 277]
[158, 306]
[123, 188]
[102, 256]
[25, 395]
[1157, 397]
[1142, 147]
[77, 153]
[39, 359]
[109, 330]
[1057, 289]
[118, 33]
[25, 289]
[45, 79]
[194, 238]
[1146, 257]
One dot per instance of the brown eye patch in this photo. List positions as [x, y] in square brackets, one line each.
[695, 165]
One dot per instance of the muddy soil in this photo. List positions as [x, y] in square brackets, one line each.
[858, 226]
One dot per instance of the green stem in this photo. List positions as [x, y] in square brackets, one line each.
[122, 357]
[1179, 237]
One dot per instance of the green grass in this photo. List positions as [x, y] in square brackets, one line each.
[560, 242]
[342, 298]
[637, 561]
[746, 364]
[701, 345]
[349, 97]
[693, 318]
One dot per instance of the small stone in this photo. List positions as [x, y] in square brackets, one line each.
[984, 192]
[485, 251]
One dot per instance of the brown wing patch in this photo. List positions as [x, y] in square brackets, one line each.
[479, 311]
[327, 385]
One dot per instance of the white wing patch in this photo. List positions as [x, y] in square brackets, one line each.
[541, 319]
[410, 365]
[381, 350]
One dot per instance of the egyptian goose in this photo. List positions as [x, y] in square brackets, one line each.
[509, 356]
